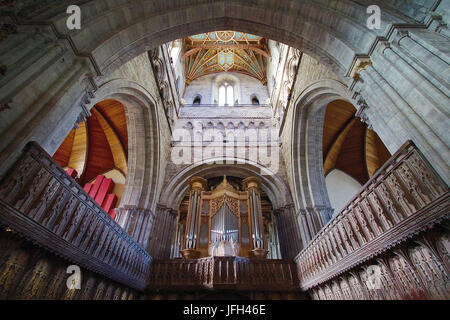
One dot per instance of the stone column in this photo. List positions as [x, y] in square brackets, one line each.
[197, 185]
[406, 96]
[137, 222]
[288, 231]
[251, 185]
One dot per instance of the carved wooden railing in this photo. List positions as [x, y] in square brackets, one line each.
[401, 200]
[223, 273]
[217, 105]
[41, 202]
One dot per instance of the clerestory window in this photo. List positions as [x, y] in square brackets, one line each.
[226, 94]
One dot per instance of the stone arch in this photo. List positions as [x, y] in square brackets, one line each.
[272, 185]
[115, 31]
[308, 178]
[197, 99]
[143, 134]
[255, 99]
[343, 28]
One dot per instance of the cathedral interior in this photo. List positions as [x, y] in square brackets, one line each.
[181, 150]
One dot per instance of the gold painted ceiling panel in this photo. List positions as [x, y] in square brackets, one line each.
[226, 51]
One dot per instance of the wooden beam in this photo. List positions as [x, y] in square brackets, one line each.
[117, 149]
[78, 156]
[333, 153]
[376, 153]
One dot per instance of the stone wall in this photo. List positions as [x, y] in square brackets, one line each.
[310, 71]
[207, 87]
[140, 70]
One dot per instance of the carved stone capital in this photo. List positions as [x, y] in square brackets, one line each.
[360, 64]
[251, 183]
[383, 46]
[198, 183]
[399, 35]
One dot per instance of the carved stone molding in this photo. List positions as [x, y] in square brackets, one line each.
[360, 64]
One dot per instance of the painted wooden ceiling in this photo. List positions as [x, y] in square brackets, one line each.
[349, 145]
[99, 145]
[225, 51]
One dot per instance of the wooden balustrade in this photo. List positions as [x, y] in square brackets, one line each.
[223, 273]
[404, 198]
[41, 202]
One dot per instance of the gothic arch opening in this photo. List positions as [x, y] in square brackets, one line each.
[328, 134]
[331, 70]
[134, 149]
[351, 150]
[95, 154]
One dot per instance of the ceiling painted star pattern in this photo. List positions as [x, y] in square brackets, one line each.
[225, 51]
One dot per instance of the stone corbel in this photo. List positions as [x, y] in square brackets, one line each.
[437, 24]
[362, 112]
[89, 94]
[399, 36]
[383, 46]
[360, 64]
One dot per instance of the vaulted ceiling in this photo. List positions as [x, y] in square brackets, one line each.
[224, 51]
[99, 144]
[349, 145]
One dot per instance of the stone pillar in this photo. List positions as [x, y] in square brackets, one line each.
[136, 222]
[162, 233]
[251, 185]
[405, 90]
[310, 221]
[288, 231]
[197, 185]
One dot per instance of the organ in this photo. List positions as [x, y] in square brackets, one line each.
[224, 221]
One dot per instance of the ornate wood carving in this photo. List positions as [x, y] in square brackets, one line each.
[41, 202]
[223, 273]
[403, 199]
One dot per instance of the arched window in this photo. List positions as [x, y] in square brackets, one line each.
[197, 100]
[226, 94]
[255, 101]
